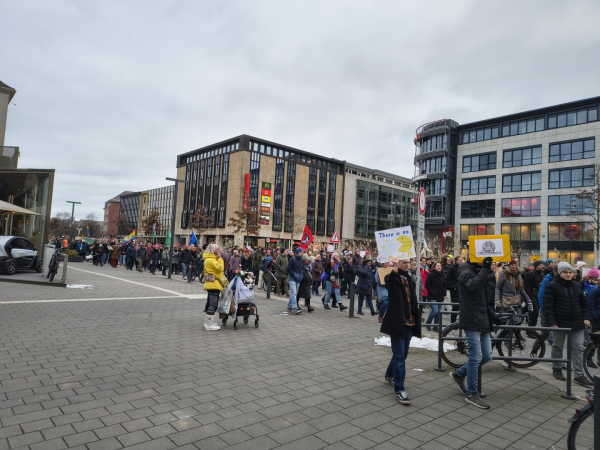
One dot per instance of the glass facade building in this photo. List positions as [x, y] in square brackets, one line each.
[130, 209]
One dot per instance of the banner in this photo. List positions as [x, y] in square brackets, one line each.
[307, 238]
[395, 244]
[496, 246]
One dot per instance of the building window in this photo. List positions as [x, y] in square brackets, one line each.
[290, 190]
[522, 182]
[312, 198]
[474, 186]
[571, 118]
[478, 208]
[331, 202]
[223, 204]
[566, 205]
[439, 142]
[523, 127]
[566, 178]
[486, 161]
[567, 151]
[522, 207]
[208, 184]
[278, 195]
[434, 187]
[215, 192]
[522, 232]
[483, 229]
[573, 240]
[522, 157]
[254, 170]
[186, 197]
[322, 201]
[432, 165]
[481, 134]
[201, 183]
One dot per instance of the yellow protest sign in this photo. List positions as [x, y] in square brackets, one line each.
[496, 246]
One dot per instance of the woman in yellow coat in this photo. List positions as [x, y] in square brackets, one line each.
[213, 272]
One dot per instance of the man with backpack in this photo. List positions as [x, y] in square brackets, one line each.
[295, 275]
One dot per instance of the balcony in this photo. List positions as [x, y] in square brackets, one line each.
[432, 154]
[435, 127]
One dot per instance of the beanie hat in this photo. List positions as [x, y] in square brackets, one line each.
[548, 261]
[562, 266]
[513, 262]
[581, 263]
[305, 257]
[593, 273]
[299, 250]
[538, 262]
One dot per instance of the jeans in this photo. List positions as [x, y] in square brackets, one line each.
[397, 366]
[434, 312]
[184, 270]
[329, 289]
[294, 285]
[382, 307]
[576, 350]
[122, 260]
[130, 262]
[480, 352]
[361, 299]
[315, 287]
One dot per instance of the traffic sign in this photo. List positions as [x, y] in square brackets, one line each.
[334, 237]
[420, 235]
[421, 224]
[422, 201]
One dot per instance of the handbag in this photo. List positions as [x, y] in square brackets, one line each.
[224, 281]
[209, 277]
[513, 300]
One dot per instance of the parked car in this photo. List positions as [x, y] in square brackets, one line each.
[17, 254]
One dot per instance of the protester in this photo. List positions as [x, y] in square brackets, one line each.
[382, 293]
[532, 282]
[165, 260]
[185, 257]
[295, 276]
[436, 290]
[476, 321]
[401, 322]
[281, 272]
[317, 272]
[115, 254]
[510, 286]
[213, 273]
[452, 284]
[305, 285]
[364, 288]
[332, 282]
[565, 306]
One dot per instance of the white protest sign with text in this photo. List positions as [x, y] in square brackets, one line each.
[396, 243]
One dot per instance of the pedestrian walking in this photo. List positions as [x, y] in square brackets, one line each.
[332, 282]
[401, 322]
[213, 273]
[436, 291]
[281, 273]
[304, 290]
[142, 254]
[165, 260]
[452, 284]
[115, 254]
[364, 287]
[317, 272]
[295, 276]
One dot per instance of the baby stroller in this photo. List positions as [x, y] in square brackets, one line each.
[240, 292]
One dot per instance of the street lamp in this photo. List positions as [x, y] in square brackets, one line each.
[173, 222]
[72, 214]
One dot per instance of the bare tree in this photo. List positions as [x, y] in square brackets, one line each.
[151, 221]
[91, 220]
[60, 224]
[247, 219]
[201, 220]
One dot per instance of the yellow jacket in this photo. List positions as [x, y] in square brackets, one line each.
[213, 266]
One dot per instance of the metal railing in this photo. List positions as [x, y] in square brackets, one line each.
[441, 339]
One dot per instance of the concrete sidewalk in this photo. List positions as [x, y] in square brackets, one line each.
[81, 372]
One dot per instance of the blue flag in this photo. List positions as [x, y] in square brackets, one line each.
[193, 239]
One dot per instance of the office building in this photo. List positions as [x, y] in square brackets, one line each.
[112, 215]
[521, 174]
[162, 199]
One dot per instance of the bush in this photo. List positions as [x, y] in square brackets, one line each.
[71, 253]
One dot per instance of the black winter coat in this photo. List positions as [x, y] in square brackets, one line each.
[349, 272]
[452, 277]
[247, 264]
[436, 287]
[185, 257]
[393, 321]
[155, 257]
[475, 314]
[532, 281]
[565, 304]
[490, 290]
[305, 284]
[364, 285]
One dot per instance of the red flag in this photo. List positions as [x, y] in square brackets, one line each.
[307, 238]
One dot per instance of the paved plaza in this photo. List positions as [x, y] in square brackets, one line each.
[129, 365]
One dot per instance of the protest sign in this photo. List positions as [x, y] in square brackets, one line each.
[395, 244]
[495, 246]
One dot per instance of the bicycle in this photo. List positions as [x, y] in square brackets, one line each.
[592, 349]
[54, 264]
[457, 355]
[581, 431]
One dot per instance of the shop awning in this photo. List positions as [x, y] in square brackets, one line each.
[14, 209]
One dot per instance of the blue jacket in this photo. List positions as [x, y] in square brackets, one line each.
[547, 279]
[294, 269]
[382, 292]
[593, 301]
[130, 251]
[266, 263]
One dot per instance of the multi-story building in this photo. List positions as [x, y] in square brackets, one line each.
[291, 187]
[162, 199]
[435, 171]
[374, 200]
[112, 212]
[521, 175]
[130, 211]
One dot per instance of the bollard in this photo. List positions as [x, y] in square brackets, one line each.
[569, 395]
[596, 413]
[351, 291]
[439, 368]
[269, 283]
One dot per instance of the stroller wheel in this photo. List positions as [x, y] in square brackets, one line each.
[256, 323]
[246, 320]
[224, 321]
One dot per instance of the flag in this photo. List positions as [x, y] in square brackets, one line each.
[307, 238]
[168, 240]
[87, 228]
[130, 237]
[193, 239]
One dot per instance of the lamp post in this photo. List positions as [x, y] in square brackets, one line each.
[72, 214]
[173, 222]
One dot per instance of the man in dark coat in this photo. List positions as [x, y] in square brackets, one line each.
[476, 320]
[532, 281]
[452, 284]
[565, 306]
[401, 322]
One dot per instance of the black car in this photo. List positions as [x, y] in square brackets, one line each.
[17, 254]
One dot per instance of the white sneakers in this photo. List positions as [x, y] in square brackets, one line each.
[209, 323]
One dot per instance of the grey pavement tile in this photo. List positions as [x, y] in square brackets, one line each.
[105, 444]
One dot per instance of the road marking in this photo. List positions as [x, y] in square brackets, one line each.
[84, 299]
[129, 281]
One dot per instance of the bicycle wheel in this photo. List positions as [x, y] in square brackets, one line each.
[53, 271]
[521, 347]
[591, 350]
[457, 355]
[581, 433]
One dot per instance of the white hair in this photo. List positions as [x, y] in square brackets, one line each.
[212, 248]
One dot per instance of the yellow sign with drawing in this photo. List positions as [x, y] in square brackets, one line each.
[496, 246]
[395, 244]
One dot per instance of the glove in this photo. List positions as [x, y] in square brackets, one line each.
[498, 305]
[487, 263]
[529, 307]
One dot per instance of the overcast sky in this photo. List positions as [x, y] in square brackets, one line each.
[109, 92]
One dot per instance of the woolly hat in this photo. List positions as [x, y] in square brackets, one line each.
[564, 266]
[548, 261]
[298, 251]
[513, 262]
[538, 262]
[581, 263]
[305, 257]
[593, 273]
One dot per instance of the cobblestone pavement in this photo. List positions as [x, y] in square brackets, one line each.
[138, 371]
